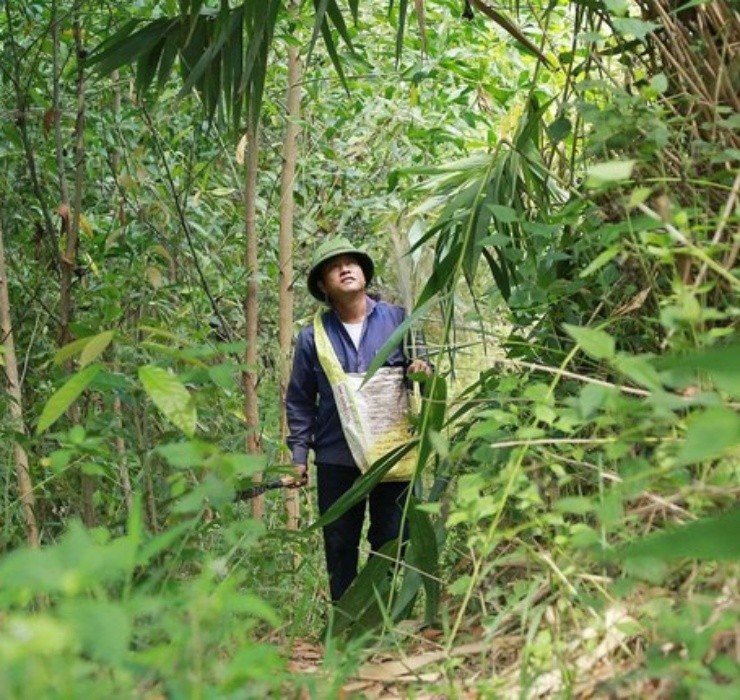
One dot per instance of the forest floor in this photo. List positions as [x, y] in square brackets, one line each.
[596, 663]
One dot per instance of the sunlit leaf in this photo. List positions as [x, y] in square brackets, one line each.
[96, 347]
[170, 397]
[70, 350]
[64, 397]
[610, 171]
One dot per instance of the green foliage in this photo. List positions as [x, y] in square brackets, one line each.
[170, 396]
[110, 618]
[578, 442]
[65, 396]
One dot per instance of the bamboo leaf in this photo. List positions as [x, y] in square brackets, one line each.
[402, 12]
[443, 275]
[396, 338]
[210, 55]
[499, 272]
[64, 397]
[337, 18]
[170, 397]
[512, 28]
[125, 47]
[331, 49]
[362, 486]
[435, 408]
[359, 608]
[146, 67]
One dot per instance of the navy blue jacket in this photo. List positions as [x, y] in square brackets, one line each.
[313, 420]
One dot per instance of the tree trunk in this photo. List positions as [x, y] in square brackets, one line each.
[287, 208]
[25, 486]
[251, 305]
[123, 470]
[71, 217]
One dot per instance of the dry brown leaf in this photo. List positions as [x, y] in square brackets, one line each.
[634, 304]
[394, 669]
[241, 150]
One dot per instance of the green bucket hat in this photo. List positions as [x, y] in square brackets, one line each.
[331, 249]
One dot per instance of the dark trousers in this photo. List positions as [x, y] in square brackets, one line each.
[342, 536]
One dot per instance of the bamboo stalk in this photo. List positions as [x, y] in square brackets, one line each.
[285, 280]
[251, 304]
[23, 472]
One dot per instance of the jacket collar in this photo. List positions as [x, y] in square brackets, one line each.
[369, 308]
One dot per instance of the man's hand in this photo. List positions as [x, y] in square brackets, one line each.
[418, 370]
[298, 478]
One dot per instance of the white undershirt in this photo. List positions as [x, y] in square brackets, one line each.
[355, 331]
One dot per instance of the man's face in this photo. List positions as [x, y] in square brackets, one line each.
[341, 276]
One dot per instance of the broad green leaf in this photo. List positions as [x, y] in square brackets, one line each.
[70, 350]
[711, 538]
[640, 370]
[710, 434]
[63, 398]
[170, 397]
[659, 83]
[424, 555]
[594, 342]
[591, 399]
[212, 490]
[610, 171]
[96, 347]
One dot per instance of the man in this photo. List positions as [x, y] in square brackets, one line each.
[357, 328]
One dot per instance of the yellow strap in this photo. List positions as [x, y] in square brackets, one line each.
[325, 350]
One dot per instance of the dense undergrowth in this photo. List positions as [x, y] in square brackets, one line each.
[574, 236]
